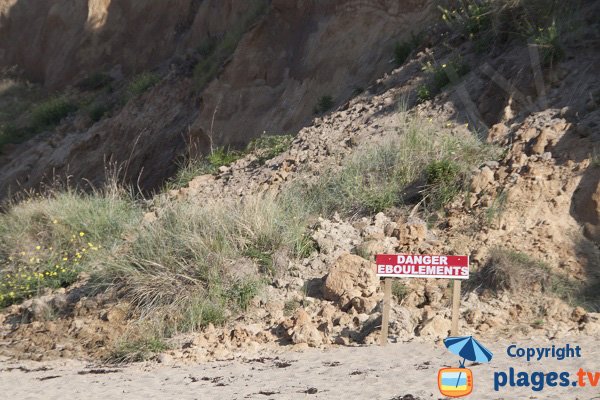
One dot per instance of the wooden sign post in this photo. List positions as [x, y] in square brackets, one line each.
[455, 306]
[387, 304]
[421, 266]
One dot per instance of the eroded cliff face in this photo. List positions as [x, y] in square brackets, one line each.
[296, 52]
[304, 50]
[57, 42]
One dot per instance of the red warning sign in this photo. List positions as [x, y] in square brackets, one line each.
[422, 266]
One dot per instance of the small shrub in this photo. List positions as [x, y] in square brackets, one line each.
[304, 246]
[207, 47]
[51, 112]
[488, 23]
[363, 252]
[438, 77]
[222, 156]
[471, 18]
[514, 271]
[358, 90]
[268, 146]
[290, 307]
[538, 323]
[548, 41]
[401, 52]
[441, 172]
[136, 350]
[17, 99]
[10, 133]
[242, 292]
[444, 182]
[324, 104]
[423, 93]
[141, 83]
[97, 111]
[399, 290]
[262, 257]
[496, 209]
[188, 170]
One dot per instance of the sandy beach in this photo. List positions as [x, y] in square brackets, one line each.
[397, 371]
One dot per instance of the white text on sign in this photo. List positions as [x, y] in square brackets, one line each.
[422, 266]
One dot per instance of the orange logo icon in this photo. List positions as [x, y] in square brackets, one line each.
[455, 382]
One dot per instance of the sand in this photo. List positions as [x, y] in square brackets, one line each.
[345, 373]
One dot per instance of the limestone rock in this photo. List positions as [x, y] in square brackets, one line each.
[480, 181]
[497, 133]
[436, 327]
[351, 276]
[304, 331]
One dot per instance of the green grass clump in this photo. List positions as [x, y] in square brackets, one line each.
[399, 290]
[210, 164]
[191, 266]
[290, 307]
[222, 156]
[423, 93]
[9, 133]
[443, 181]
[509, 270]
[470, 18]
[376, 177]
[46, 242]
[188, 170]
[30, 278]
[98, 110]
[49, 113]
[401, 52]
[138, 349]
[438, 76]
[268, 146]
[496, 209]
[548, 41]
[264, 147]
[262, 255]
[141, 83]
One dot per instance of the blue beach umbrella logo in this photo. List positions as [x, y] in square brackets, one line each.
[469, 349]
[458, 382]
